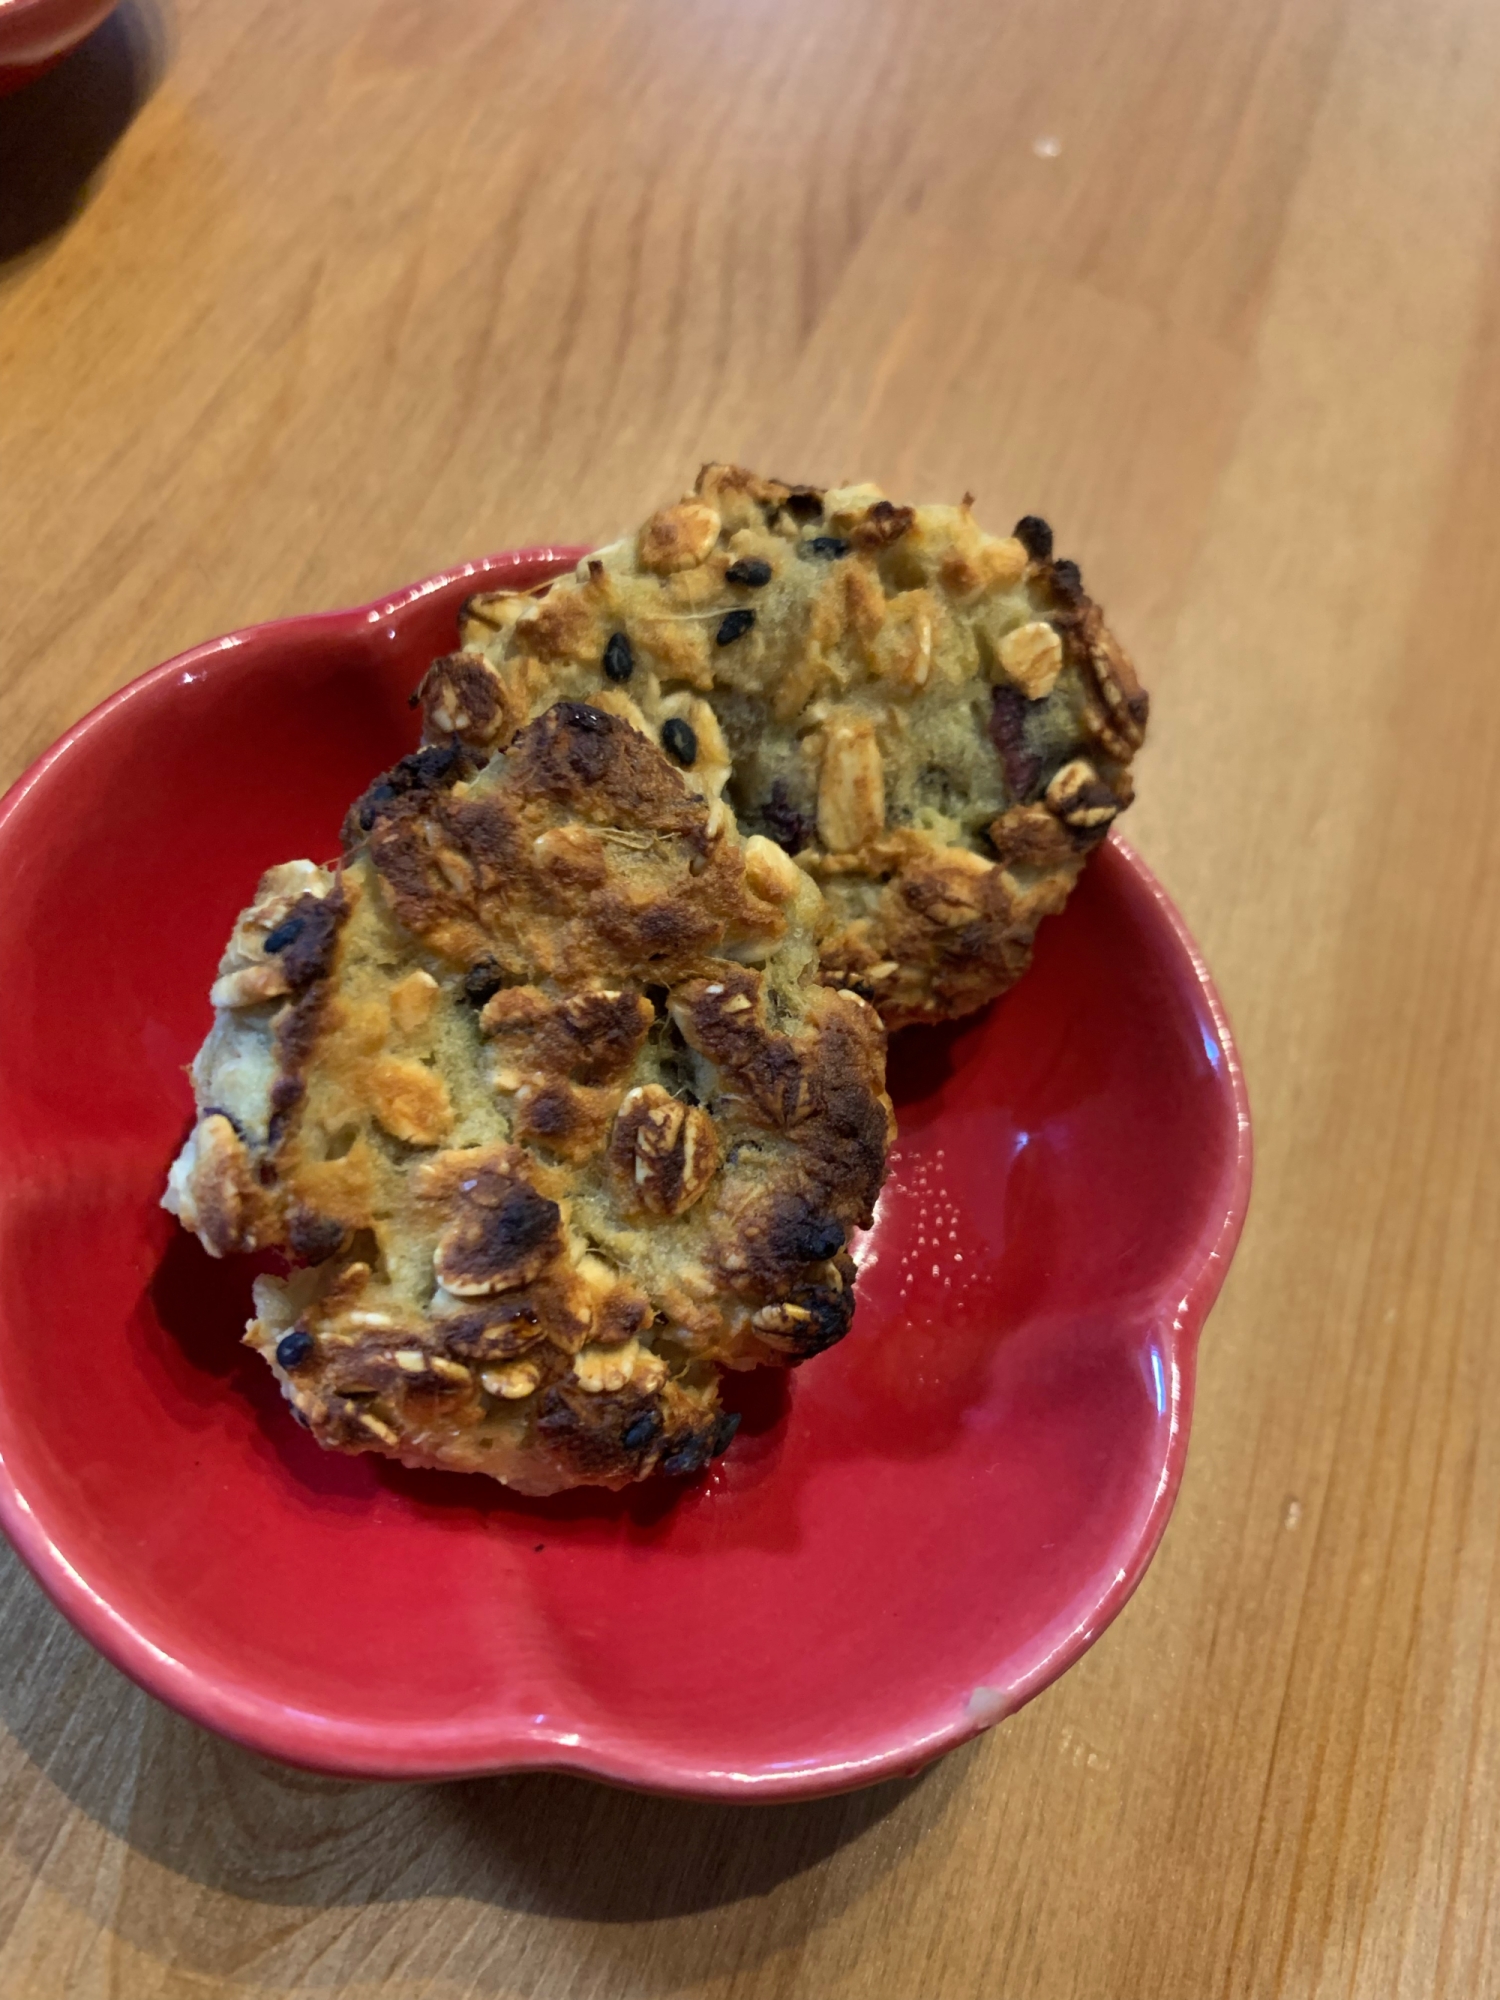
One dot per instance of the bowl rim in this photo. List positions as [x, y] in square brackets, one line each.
[369, 1750]
[36, 34]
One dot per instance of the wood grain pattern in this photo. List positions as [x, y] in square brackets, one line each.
[299, 302]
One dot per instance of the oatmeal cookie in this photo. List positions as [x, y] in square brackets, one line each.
[935, 721]
[540, 1090]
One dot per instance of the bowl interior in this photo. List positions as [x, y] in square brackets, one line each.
[912, 1533]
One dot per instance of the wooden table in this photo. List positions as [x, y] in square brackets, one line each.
[302, 301]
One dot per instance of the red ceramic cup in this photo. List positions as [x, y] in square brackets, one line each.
[35, 34]
[912, 1534]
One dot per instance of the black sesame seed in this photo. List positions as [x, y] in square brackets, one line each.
[822, 1239]
[293, 1348]
[641, 1431]
[619, 661]
[579, 715]
[687, 1458]
[680, 740]
[827, 548]
[733, 625]
[286, 932]
[750, 570]
[482, 982]
[1034, 535]
[724, 1431]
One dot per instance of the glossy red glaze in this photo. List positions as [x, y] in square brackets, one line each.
[911, 1536]
[35, 34]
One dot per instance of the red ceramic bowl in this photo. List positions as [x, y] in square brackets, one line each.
[911, 1536]
[35, 34]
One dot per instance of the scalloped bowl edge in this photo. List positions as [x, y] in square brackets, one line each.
[273, 1728]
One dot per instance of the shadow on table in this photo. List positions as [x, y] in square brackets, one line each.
[56, 133]
[298, 1853]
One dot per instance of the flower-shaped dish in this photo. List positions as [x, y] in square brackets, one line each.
[912, 1534]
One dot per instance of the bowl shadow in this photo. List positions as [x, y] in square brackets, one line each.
[544, 1845]
[57, 132]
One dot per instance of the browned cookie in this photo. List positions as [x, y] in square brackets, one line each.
[935, 721]
[541, 1089]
